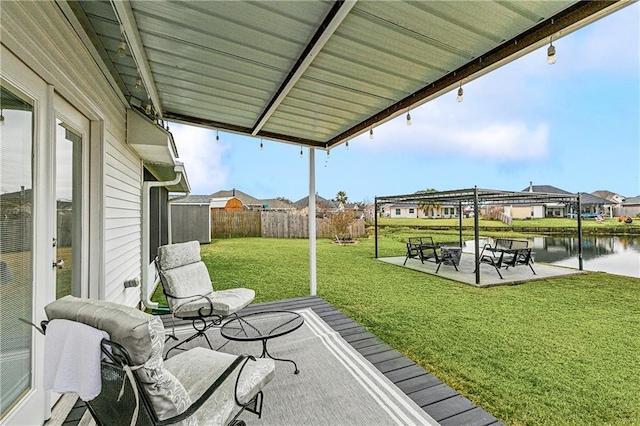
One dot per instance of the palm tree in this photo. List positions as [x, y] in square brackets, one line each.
[341, 197]
[425, 205]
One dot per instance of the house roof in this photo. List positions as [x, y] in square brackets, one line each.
[631, 201]
[545, 188]
[608, 195]
[191, 199]
[312, 73]
[586, 198]
[242, 196]
[304, 202]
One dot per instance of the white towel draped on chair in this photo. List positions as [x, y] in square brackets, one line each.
[72, 358]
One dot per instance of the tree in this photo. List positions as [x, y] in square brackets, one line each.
[341, 225]
[425, 205]
[341, 197]
[284, 199]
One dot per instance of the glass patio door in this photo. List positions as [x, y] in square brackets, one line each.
[16, 246]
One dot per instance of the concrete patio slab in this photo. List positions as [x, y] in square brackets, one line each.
[488, 275]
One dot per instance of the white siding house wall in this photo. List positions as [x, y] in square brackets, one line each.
[39, 34]
[123, 183]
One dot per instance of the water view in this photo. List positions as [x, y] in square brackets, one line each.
[618, 255]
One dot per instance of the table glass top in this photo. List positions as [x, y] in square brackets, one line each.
[261, 325]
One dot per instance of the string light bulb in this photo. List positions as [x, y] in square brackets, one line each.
[138, 85]
[347, 145]
[328, 154]
[301, 154]
[122, 46]
[371, 134]
[261, 145]
[551, 53]
[460, 93]
[408, 118]
[1, 117]
[122, 49]
[217, 136]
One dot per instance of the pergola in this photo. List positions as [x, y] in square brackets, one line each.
[477, 198]
[309, 73]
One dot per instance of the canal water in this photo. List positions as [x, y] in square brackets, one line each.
[618, 255]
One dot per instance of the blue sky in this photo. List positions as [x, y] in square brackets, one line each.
[574, 125]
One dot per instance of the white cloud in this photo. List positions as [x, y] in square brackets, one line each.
[202, 155]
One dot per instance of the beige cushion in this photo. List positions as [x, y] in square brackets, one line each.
[194, 368]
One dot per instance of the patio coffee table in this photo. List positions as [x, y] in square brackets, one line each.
[263, 326]
[450, 256]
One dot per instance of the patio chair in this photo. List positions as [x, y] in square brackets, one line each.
[189, 291]
[137, 387]
[507, 253]
[422, 248]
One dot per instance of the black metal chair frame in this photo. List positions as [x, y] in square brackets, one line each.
[417, 248]
[110, 402]
[504, 255]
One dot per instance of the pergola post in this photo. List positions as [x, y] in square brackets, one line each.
[460, 220]
[476, 228]
[580, 261]
[375, 223]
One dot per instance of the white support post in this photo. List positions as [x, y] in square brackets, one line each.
[312, 221]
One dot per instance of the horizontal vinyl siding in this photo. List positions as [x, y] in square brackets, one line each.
[40, 35]
[123, 206]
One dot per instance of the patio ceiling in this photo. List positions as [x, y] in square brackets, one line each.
[313, 73]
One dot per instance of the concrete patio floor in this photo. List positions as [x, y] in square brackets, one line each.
[488, 275]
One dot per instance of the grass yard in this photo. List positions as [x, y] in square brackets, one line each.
[556, 352]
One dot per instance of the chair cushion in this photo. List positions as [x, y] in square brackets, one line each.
[225, 303]
[142, 335]
[122, 323]
[185, 281]
[198, 368]
[175, 255]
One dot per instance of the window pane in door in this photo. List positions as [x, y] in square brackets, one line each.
[68, 150]
[16, 236]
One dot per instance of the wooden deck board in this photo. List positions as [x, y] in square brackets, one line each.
[436, 398]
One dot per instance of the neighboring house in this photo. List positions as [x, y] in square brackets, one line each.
[253, 203]
[594, 205]
[228, 204]
[523, 211]
[401, 210]
[615, 201]
[409, 210]
[630, 207]
[590, 204]
[324, 207]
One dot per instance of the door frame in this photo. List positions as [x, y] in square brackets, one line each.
[32, 408]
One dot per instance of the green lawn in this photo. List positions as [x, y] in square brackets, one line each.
[556, 352]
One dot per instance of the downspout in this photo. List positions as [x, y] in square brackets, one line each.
[147, 287]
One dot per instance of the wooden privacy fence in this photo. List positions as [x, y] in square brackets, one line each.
[229, 224]
[273, 225]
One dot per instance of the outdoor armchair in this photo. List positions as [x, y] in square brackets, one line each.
[195, 387]
[189, 291]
